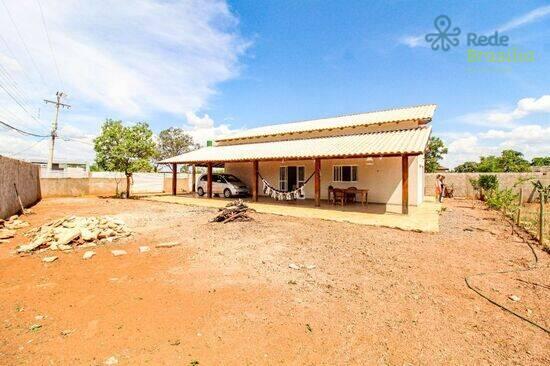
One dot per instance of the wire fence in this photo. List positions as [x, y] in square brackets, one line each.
[537, 223]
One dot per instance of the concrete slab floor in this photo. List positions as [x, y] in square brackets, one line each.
[424, 217]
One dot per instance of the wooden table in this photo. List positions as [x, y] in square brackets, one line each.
[363, 192]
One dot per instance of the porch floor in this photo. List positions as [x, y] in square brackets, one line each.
[424, 217]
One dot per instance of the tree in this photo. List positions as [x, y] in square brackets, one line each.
[125, 149]
[513, 161]
[174, 141]
[466, 167]
[436, 150]
[488, 164]
[541, 161]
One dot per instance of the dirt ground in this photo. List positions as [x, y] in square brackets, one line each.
[227, 296]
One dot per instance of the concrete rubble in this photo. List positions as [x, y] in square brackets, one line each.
[74, 231]
[8, 227]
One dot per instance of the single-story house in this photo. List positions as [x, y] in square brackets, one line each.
[381, 151]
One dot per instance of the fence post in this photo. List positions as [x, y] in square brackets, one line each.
[518, 218]
[541, 218]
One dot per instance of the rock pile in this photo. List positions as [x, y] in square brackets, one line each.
[72, 231]
[8, 227]
[233, 211]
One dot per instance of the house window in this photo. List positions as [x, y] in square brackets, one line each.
[344, 173]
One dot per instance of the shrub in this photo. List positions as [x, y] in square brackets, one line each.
[504, 200]
[484, 184]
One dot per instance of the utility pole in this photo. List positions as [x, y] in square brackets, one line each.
[59, 95]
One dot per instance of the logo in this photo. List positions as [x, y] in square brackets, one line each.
[443, 39]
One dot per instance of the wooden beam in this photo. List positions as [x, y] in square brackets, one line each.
[255, 181]
[209, 181]
[317, 182]
[194, 178]
[174, 179]
[405, 184]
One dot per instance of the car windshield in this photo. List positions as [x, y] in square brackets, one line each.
[231, 178]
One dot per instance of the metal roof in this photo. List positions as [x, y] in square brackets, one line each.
[421, 113]
[409, 141]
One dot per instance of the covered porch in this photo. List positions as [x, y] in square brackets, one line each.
[424, 217]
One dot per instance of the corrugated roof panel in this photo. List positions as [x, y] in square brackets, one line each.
[421, 112]
[410, 141]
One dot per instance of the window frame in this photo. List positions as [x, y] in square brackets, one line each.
[340, 167]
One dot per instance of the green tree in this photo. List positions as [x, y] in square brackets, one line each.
[489, 164]
[466, 167]
[541, 161]
[436, 150]
[125, 149]
[513, 161]
[174, 141]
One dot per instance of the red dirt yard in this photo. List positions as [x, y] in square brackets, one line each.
[226, 295]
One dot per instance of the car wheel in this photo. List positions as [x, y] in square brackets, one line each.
[227, 193]
[200, 191]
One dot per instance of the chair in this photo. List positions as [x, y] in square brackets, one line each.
[339, 195]
[351, 194]
[330, 193]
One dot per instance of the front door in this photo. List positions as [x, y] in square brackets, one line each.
[291, 178]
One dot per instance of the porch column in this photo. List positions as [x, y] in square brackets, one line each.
[194, 178]
[317, 182]
[255, 181]
[209, 181]
[174, 178]
[405, 184]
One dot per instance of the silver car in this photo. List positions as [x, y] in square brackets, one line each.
[226, 184]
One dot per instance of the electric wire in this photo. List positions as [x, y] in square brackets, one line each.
[49, 42]
[23, 43]
[27, 148]
[7, 125]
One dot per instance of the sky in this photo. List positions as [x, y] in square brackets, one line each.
[213, 67]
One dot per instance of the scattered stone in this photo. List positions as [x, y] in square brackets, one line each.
[514, 298]
[12, 218]
[118, 252]
[294, 266]
[168, 245]
[35, 327]
[16, 224]
[39, 317]
[111, 361]
[49, 259]
[88, 245]
[7, 233]
[88, 255]
[66, 332]
[144, 249]
[311, 266]
[71, 231]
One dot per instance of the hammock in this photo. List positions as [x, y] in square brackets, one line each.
[279, 195]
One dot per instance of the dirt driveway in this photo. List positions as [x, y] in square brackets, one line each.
[227, 296]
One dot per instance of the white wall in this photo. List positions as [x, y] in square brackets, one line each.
[383, 178]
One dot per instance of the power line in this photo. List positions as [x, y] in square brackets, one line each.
[21, 131]
[49, 42]
[23, 42]
[12, 84]
[30, 147]
[19, 103]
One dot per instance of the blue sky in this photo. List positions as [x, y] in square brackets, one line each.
[214, 67]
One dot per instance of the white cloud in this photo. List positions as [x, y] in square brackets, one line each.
[413, 41]
[203, 128]
[508, 117]
[130, 60]
[524, 19]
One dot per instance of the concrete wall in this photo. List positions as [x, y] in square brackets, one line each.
[463, 187]
[382, 179]
[182, 184]
[26, 177]
[95, 186]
